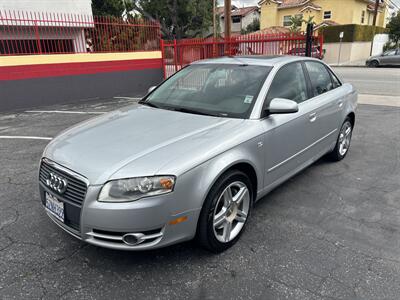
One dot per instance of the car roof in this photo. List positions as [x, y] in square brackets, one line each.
[261, 60]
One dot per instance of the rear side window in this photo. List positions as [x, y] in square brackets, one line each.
[321, 80]
[289, 83]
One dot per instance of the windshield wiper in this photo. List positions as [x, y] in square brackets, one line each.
[192, 111]
[149, 104]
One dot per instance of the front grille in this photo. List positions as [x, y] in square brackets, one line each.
[76, 189]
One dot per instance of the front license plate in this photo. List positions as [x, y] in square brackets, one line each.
[55, 207]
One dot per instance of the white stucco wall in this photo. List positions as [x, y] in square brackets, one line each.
[246, 20]
[379, 41]
[249, 18]
[356, 52]
[57, 6]
[45, 13]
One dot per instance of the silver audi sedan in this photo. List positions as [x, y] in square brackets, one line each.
[193, 156]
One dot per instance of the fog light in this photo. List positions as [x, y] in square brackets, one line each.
[132, 239]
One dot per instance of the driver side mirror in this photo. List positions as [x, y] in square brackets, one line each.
[152, 88]
[282, 106]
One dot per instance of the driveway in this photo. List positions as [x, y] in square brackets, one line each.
[331, 232]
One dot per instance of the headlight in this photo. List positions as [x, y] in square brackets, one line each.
[131, 189]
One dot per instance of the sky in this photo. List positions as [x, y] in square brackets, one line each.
[241, 3]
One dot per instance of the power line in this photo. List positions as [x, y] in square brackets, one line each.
[394, 4]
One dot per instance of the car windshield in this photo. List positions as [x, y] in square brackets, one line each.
[226, 90]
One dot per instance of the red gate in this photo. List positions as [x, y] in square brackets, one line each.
[179, 53]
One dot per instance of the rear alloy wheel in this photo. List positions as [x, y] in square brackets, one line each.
[225, 212]
[343, 141]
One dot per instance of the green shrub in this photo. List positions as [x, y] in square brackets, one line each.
[352, 33]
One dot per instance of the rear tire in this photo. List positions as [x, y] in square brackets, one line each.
[225, 212]
[343, 141]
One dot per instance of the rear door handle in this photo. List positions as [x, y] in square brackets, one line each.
[312, 117]
[340, 103]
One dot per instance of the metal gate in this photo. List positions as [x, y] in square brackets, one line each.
[179, 53]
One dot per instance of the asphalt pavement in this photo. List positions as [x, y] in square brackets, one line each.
[331, 232]
[372, 81]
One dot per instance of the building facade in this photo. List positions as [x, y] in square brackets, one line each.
[325, 12]
[240, 18]
[50, 25]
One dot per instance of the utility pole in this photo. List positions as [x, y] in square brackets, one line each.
[374, 23]
[215, 18]
[227, 14]
[375, 12]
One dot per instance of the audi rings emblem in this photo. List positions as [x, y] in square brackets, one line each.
[56, 183]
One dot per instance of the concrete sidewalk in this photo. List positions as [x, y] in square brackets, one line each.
[358, 63]
[379, 100]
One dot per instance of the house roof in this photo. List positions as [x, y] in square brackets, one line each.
[272, 30]
[292, 3]
[371, 7]
[282, 4]
[312, 6]
[238, 11]
[325, 24]
[286, 3]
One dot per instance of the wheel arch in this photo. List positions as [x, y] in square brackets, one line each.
[243, 165]
[352, 117]
[375, 60]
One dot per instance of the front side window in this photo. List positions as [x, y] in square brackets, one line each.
[289, 83]
[320, 78]
[227, 90]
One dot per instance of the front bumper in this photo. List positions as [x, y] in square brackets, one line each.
[150, 220]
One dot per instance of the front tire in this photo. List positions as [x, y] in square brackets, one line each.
[373, 64]
[343, 142]
[225, 212]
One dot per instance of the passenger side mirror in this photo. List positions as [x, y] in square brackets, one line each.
[152, 88]
[282, 106]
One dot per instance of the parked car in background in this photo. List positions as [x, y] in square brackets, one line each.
[192, 158]
[388, 58]
[301, 51]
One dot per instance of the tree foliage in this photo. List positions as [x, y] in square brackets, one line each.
[113, 8]
[178, 18]
[295, 23]
[394, 29]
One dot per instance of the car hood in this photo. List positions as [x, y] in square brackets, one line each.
[142, 137]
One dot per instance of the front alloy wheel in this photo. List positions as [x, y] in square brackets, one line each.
[231, 211]
[225, 211]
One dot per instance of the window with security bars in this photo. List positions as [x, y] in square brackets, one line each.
[35, 47]
[327, 14]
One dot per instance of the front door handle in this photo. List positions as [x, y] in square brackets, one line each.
[312, 117]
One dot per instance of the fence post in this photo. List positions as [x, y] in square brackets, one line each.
[176, 55]
[321, 46]
[309, 39]
[163, 57]
[37, 37]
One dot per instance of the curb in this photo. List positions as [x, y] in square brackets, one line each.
[348, 66]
